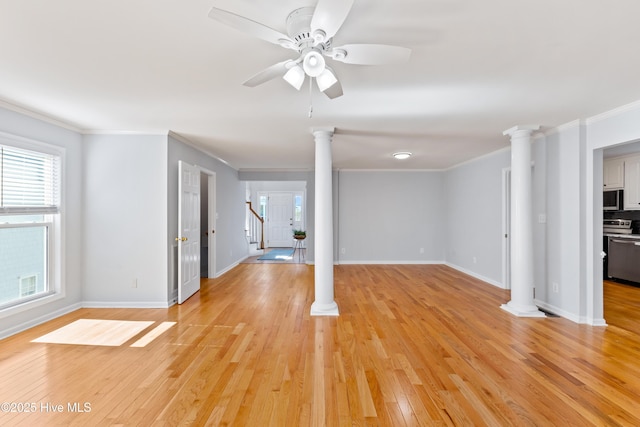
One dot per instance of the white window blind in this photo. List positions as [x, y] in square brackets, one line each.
[29, 181]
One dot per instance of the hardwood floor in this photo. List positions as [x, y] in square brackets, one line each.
[413, 345]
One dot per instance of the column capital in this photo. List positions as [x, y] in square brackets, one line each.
[526, 129]
[328, 131]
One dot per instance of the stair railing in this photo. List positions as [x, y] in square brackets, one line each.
[256, 226]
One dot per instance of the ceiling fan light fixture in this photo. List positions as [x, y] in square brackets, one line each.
[313, 63]
[402, 155]
[326, 79]
[295, 77]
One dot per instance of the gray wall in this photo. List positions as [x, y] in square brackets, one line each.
[474, 217]
[564, 256]
[390, 217]
[125, 198]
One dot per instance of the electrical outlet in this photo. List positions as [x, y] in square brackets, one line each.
[475, 260]
[555, 287]
[421, 250]
[134, 283]
[343, 251]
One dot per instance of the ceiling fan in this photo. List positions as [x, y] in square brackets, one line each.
[310, 32]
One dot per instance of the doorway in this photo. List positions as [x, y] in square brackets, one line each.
[282, 204]
[279, 219]
[284, 212]
[207, 223]
[506, 228]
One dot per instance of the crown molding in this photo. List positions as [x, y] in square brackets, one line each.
[187, 141]
[38, 115]
[612, 113]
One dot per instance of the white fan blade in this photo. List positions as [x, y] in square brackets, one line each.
[370, 54]
[334, 90]
[330, 15]
[251, 27]
[276, 70]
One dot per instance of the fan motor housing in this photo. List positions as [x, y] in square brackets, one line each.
[299, 29]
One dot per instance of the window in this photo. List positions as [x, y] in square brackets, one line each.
[298, 208]
[262, 210]
[29, 220]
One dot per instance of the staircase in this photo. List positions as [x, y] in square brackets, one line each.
[254, 231]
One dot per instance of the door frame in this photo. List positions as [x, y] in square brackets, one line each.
[212, 216]
[506, 228]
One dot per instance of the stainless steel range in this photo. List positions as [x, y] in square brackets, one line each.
[616, 226]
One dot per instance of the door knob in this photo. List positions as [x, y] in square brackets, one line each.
[183, 239]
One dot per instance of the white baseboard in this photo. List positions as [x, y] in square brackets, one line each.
[42, 319]
[570, 316]
[125, 304]
[475, 275]
[395, 262]
[229, 268]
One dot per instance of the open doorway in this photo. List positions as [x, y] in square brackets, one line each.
[283, 206]
[506, 228]
[207, 223]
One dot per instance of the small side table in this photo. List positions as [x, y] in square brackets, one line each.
[298, 246]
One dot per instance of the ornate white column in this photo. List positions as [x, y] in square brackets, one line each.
[521, 303]
[324, 305]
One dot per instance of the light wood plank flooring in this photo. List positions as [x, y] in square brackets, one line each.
[414, 346]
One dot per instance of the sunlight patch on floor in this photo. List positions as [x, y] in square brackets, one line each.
[153, 334]
[103, 332]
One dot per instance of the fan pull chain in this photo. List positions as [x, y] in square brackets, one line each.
[310, 97]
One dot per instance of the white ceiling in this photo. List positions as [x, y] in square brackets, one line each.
[477, 68]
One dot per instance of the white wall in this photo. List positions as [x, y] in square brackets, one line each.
[35, 129]
[389, 216]
[125, 200]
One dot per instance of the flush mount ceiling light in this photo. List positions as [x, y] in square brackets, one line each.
[402, 155]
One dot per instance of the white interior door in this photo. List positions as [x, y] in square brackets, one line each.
[189, 229]
[280, 220]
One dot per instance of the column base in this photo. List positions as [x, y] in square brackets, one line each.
[330, 309]
[522, 311]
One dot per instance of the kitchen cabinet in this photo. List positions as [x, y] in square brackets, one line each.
[613, 170]
[632, 183]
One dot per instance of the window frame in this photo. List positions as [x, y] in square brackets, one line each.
[54, 223]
